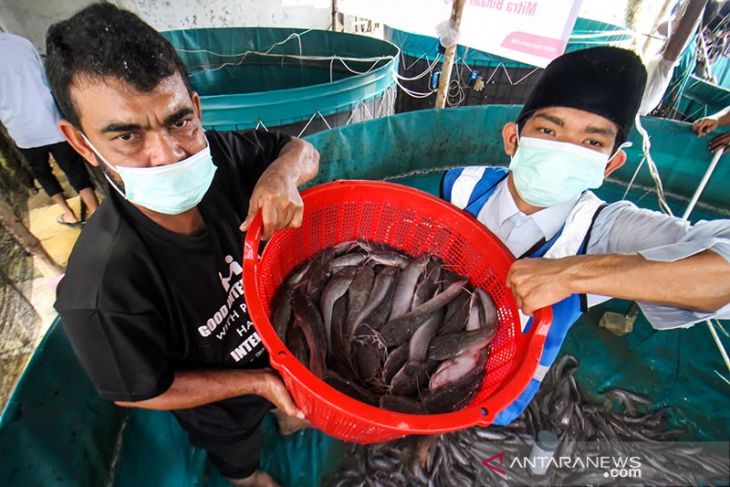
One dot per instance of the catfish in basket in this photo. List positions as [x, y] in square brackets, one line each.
[385, 328]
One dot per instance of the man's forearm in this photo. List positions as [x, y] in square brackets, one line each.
[298, 159]
[196, 388]
[686, 26]
[723, 116]
[700, 282]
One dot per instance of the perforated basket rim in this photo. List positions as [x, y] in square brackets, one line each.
[392, 424]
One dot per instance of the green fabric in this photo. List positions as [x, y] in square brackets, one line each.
[417, 46]
[302, 459]
[701, 98]
[681, 74]
[55, 430]
[238, 92]
[721, 71]
[426, 139]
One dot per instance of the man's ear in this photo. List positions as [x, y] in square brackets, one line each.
[196, 103]
[73, 137]
[509, 138]
[615, 163]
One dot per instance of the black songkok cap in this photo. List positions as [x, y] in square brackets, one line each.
[607, 81]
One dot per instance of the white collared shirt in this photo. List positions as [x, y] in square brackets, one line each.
[518, 231]
[27, 108]
[620, 228]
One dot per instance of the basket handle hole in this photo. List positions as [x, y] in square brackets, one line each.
[484, 411]
[281, 354]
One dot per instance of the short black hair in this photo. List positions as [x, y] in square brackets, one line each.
[103, 40]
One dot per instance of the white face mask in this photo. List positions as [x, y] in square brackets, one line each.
[548, 172]
[170, 189]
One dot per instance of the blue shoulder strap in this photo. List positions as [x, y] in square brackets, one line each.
[542, 246]
[484, 188]
[565, 313]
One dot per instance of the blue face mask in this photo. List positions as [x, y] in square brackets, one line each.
[548, 172]
[170, 189]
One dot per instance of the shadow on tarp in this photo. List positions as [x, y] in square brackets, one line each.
[156, 451]
[56, 431]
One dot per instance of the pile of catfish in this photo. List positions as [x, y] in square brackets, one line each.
[616, 424]
[393, 331]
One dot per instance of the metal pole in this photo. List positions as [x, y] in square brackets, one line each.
[334, 16]
[655, 27]
[448, 64]
[692, 203]
[705, 179]
[719, 344]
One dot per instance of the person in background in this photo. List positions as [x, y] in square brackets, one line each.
[660, 69]
[30, 115]
[707, 125]
[573, 250]
[153, 297]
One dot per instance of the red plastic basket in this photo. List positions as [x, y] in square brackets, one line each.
[416, 223]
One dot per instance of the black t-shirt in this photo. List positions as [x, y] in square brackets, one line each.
[139, 302]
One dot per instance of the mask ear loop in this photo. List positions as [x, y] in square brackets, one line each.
[624, 145]
[98, 154]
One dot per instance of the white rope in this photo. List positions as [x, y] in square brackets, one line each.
[720, 347]
[327, 124]
[428, 70]
[261, 124]
[509, 78]
[718, 323]
[374, 60]
[367, 111]
[407, 68]
[519, 80]
[413, 94]
[342, 60]
[306, 126]
[354, 112]
[653, 171]
[324, 119]
[633, 178]
[611, 33]
[244, 53]
[722, 377]
[459, 91]
[267, 53]
[459, 83]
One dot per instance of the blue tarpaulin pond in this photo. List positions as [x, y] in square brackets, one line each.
[56, 431]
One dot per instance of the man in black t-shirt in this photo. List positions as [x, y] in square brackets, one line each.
[152, 300]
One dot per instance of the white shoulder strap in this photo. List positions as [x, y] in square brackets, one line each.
[465, 184]
[576, 226]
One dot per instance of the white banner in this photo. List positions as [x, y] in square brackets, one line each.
[533, 32]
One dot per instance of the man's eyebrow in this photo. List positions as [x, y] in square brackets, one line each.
[608, 131]
[181, 113]
[552, 118]
[132, 127]
[121, 127]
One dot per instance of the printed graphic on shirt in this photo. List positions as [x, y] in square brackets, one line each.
[233, 314]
